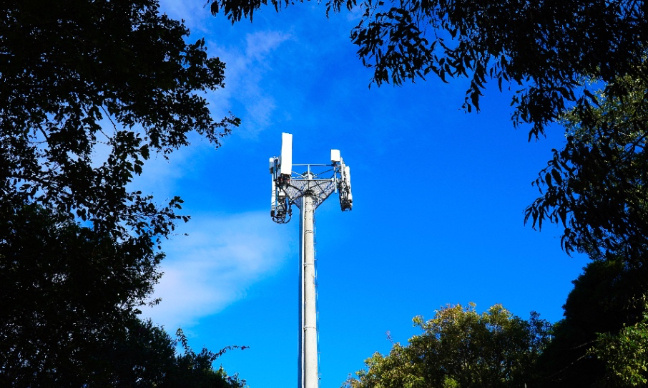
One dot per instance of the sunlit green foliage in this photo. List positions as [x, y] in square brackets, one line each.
[625, 354]
[461, 348]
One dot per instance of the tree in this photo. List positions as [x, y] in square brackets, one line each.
[625, 354]
[556, 52]
[146, 356]
[195, 370]
[78, 250]
[461, 348]
[597, 185]
[544, 47]
[66, 290]
[81, 78]
[607, 301]
[596, 188]
[68, 312]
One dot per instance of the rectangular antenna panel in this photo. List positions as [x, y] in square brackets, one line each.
[347, 175]
[286, 153]
[335, 156]
[273, 198]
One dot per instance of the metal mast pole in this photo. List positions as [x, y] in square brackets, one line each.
[307, 191]
[308, 355]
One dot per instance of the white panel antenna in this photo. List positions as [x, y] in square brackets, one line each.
[273, 199]
[286, 154]
[344, 187]
[347, 178]
[335, 156]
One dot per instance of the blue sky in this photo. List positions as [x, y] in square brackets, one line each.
[439, 199]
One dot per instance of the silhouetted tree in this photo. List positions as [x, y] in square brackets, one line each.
[89, 89]
[597, 185]
[68, 312]
[607, 298]
[82, 79]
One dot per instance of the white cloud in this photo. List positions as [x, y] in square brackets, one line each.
[214, 265]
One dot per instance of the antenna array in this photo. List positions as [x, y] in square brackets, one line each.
[318, 180]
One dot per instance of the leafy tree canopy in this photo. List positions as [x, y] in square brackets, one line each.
[461, 348]
[81, 78]
[625, 354]
[68, 312]
[89, 89]
[66, 289]
[557, 52]
[601, 333]
[597, 186]
[545, 47]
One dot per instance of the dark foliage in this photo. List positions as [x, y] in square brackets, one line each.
[88, 90]
[81, 78]
[66, 291]
[68, 315]
[195, 370]
[557, 52]
[607, 297]
[597, 185]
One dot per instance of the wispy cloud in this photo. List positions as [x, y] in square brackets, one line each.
[214, 266]
[260, 44]
[247, 92]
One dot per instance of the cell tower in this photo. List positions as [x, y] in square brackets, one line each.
[307, 189]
